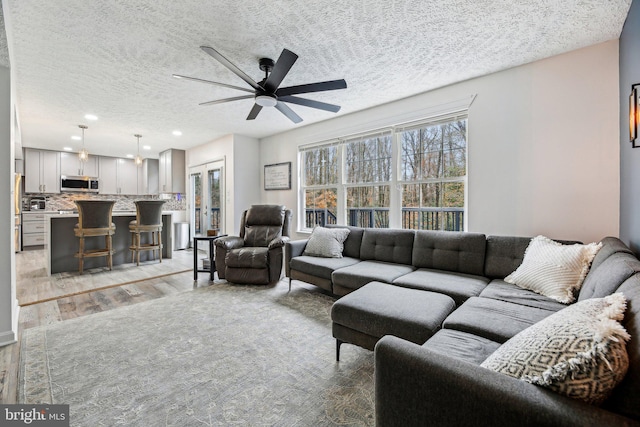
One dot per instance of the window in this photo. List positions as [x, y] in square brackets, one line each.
[412, 177]
[368, 176]
[433, 168]
[320, 185]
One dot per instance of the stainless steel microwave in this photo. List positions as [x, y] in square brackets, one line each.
[83, 184]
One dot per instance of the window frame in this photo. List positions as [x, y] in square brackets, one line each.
[396, 181]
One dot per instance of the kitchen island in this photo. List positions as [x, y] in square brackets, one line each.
[61, 244]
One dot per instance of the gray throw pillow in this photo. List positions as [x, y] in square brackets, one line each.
[326, 242]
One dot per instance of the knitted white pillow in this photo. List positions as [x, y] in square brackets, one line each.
[552, 269]
[579, 351]
[326, 242]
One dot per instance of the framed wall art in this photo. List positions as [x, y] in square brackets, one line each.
[277, 176]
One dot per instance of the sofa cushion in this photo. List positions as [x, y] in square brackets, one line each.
[394, 246]
[624, 399]
[610, 246]
[353, 242]
[461, 345]
[501, 290]
[327, 243]
[579, 352]
[358, 275]
[461, 252]
[607, 276]
[261, 235]
[494, 319]
[247, 258]
[379, 309]
[553, 269]
[504, 254]
[458, 286]
[320, 267]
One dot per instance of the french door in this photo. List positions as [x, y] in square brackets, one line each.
[206, 198]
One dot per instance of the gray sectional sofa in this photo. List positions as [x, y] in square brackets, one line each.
[439, 306]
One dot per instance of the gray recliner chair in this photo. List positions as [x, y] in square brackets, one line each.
[255, 257]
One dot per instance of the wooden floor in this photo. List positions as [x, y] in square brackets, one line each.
[70, 295]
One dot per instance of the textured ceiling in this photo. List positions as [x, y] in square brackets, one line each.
[4, 51]
[115, 58]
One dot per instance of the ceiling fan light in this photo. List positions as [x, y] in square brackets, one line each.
[266, 100]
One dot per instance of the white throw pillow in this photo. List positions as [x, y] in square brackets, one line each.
[326, 242]
[552, 269]
[579, 352]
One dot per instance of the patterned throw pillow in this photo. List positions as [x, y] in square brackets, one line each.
[552, 269]
[579, 351]
[326, 242]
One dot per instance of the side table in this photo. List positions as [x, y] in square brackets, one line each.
[212, 262]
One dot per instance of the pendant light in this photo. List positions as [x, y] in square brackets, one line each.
[83, 155]
[138, 158]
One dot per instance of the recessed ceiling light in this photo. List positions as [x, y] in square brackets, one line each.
[130, 156]
[67, 148]
[177, 133]
[76, 138]
[146, 147]
[91, 117]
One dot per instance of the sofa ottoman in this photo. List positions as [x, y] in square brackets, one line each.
[377, 309]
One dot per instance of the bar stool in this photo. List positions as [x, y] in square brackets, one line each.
[95, 219]
[148, 220]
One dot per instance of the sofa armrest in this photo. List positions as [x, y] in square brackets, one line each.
[293, 248]
[278, 242]
[415, 386]
[230, 242]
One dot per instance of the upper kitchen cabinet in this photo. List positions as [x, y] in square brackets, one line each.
[118, 176]
[41, 171]
[172, 171]
[70, 165]
[148, 177]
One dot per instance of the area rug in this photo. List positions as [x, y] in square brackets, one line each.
[224, 355]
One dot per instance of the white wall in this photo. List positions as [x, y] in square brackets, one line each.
[246, 191]
[543, 152]
[8, 303]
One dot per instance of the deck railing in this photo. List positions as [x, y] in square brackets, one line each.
[450, 219]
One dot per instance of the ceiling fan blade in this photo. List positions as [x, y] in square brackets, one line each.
[312, 87]
[284, 109]
[254, 112]
[220, 101]
[224, 61]
[178, 76]
[280, 70]
[310, 103]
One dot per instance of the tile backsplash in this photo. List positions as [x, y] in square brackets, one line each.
[65, 201]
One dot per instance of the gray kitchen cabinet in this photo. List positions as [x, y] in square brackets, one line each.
[172, 171]
[70, 165]
[148, 177]
[127, 176]
[33, 229]
[108, 183]
[118, 176]
[41, 171]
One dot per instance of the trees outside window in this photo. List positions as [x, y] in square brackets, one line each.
[433, 172]
[360, 176]
[320, 185]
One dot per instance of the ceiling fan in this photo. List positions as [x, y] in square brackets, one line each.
[267, 92]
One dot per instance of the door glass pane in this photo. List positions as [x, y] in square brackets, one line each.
[214, 199]
[196, 191]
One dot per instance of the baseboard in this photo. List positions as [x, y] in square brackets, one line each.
[11, 337]
[7, 338]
